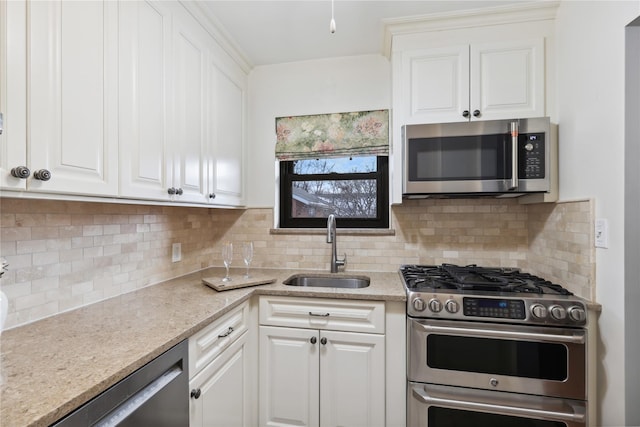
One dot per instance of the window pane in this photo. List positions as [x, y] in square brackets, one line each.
[345, 198]
[337, 165]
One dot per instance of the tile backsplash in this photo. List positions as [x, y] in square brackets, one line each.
[64, 255]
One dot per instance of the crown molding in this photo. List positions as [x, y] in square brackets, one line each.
[214, 27]
[525, 12]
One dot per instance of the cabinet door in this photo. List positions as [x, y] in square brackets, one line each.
[224, 387]
[13, 96]
[145, 166]
[435, 84]
[72, 100]
[352, 379]
[227, 127]
[507, 79]
[189, 141]
[289, 377]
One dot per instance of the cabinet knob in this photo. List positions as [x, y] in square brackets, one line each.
[313, 340]
[195, 393]
[476, 113]
[171, 191]
[212, 195]
[465, 113]
[179, 191]
[323, 341]
[21, 172]
[42, 175]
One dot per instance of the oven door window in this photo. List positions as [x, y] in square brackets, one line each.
[526, 359]
[460, 158]
[439, 417]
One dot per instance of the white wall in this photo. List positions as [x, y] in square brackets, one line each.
[590, 96]
[310, 87]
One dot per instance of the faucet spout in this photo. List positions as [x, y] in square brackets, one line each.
[331, 238]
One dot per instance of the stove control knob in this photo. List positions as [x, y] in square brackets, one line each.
[557, 312]
[435, 305]
[419, 304]
[451, 306]
[539, 311]
[577, 314]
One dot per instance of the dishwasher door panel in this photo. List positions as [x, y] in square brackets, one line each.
[155, 395]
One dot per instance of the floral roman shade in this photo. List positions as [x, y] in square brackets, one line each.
[333, 135]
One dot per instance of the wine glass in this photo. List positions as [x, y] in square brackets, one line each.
[227, 257]
[247, 255]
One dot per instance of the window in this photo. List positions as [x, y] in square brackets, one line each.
[355, 189]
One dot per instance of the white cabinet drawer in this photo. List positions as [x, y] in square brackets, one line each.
[328, 314]
[207, 344]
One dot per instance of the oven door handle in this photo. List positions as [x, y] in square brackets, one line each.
[497, 409]
[487, 333]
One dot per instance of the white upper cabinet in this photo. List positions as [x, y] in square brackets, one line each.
[66, 79]
[484, 81]
[119, 99]
[13, 139]
[227, 129]
[507, 79]
[435, 84]
[191, 143]
[72, 97]
[145, 162]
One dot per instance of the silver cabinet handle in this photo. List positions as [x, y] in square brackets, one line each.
[21, 172]
[578, 338]
[1, 123]
[514, 156]
[313, 340]
[496, 409]
[226, 334]
[42, 175]
[323, 341]
[311, 313]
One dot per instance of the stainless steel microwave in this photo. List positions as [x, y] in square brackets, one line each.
[494, 157]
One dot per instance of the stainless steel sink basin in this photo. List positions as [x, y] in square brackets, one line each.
[328, 281]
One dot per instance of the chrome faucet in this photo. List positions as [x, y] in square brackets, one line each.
[331, 238]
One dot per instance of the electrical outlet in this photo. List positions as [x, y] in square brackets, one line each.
[602, 233]
[176, 252]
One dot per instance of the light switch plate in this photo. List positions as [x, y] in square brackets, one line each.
[176, 252]
[602, 233]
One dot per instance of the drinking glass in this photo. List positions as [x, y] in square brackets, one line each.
[247, 255]
[227, 257]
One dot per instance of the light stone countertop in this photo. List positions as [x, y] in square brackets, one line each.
[52, 366]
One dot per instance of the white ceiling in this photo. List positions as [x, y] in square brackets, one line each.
[271, 32]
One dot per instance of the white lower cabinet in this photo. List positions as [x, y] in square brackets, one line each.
[318, 377]
[224, 390]
[223, 380]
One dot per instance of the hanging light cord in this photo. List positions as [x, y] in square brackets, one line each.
[332, 24]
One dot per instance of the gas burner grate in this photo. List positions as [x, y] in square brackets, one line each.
[475, 278]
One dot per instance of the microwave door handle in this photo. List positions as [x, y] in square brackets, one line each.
[514, 156]
[497, 409]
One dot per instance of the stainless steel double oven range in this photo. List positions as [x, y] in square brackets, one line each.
[493, 347]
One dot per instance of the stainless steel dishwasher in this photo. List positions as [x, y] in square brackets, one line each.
[155, 395]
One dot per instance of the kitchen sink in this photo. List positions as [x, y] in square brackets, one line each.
[328, 281]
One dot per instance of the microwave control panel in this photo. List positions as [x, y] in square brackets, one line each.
[531, 156]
